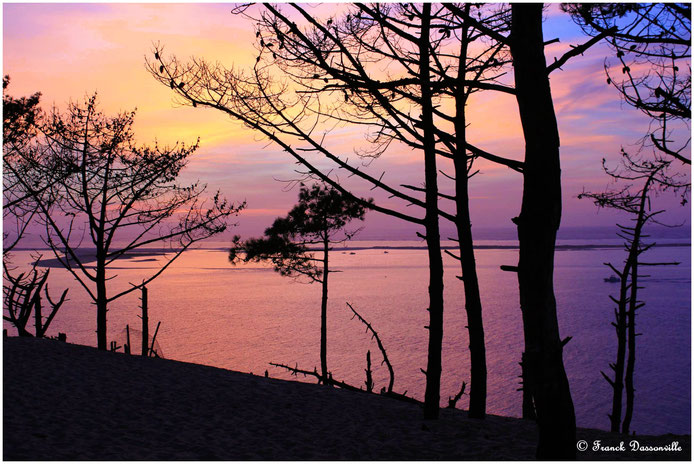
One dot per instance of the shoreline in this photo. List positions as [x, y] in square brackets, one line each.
[64, 401]
[161, 250]
[87, 255]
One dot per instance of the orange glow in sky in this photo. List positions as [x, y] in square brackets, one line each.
[67, 51]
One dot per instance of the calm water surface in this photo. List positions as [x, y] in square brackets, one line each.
[244, 317]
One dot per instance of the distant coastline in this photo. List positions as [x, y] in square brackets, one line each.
[87, 255]
[498, 247]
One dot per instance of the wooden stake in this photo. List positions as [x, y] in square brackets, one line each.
[127, 338]
[154, 338]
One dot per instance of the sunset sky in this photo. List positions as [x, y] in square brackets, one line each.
[71, 50]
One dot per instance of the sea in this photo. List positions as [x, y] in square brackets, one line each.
[246, 316]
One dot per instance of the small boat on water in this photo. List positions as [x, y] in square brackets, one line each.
[612, 279]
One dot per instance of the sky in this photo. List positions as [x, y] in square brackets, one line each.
[69, 51]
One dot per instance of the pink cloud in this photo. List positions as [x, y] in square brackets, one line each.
[67, 51]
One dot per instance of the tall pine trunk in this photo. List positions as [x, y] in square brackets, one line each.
[621, 329]
[631, 358]
[473, 302]
[634, 304]
[101, 302]
[431, 219]
[537, 228]
[324, 314]
[38, 323]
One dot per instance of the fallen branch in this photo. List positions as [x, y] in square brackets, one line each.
[401, 397]
[296, 371]
[314, 373]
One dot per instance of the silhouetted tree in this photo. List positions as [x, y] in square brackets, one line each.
[290, 120]
[637, 203]
[20, 119]
[651, 42]
[475, 65]
[538, 222]
[544, 379]
[431, 222]
[22, 297]
[337, 63]
[389, 34]
[330, 61]
[95, 183]
[317, 219]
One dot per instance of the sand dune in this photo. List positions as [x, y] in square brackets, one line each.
[70, 402]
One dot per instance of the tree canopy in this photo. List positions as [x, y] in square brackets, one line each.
[652, 47]
[318, 218]
[99, 195]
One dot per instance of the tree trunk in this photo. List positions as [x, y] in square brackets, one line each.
[473, 307]
[23, 332]
[473, 302]
[37, 314]
[431, 219]
[101, 302]
[631, 359]
[528, 403]
[324, 314]
[537, 227]
[634, 305]
[621, 329]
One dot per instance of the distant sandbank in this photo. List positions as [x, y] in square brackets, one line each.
[87, 255]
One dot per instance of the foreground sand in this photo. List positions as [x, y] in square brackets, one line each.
[70, 402]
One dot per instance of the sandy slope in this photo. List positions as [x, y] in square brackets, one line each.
[70, 402]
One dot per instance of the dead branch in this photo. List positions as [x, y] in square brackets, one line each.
[452, 401]
[374, 335]
[22, 294]
[369, 378]
[344, 385]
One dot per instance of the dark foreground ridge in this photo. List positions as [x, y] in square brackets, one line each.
[70, 402]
